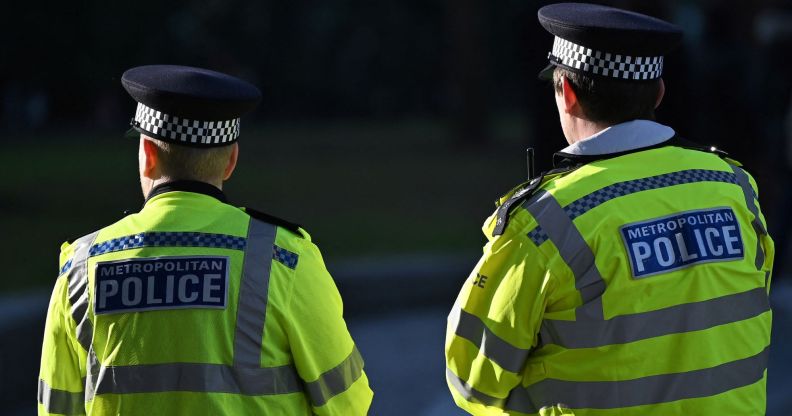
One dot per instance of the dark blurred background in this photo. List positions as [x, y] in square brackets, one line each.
[387, 129]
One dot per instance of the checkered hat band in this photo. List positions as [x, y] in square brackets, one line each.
[606, 64]
[620, 189]
[184, 130]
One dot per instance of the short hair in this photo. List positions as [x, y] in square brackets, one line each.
[180, 162]
[611, 101]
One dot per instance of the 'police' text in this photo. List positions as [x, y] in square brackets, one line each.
[161, 283]
[681, 240]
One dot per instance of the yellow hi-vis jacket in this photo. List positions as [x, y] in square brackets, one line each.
[636, 284]
[196, 307]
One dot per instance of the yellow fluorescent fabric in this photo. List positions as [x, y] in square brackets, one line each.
[557, 317]
[192, 359]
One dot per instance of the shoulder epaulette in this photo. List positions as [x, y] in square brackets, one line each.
[502, 216]
[687, 144]
[295, 228]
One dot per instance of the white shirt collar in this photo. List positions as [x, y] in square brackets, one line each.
[622, 137]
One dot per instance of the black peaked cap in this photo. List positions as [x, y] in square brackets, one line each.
[610, 29]
[192, 93]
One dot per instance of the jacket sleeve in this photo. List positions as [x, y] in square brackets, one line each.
[324, 353]
[60, 386]
[494, 324]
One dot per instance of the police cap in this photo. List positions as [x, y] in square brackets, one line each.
[607, 42]
[189, 106]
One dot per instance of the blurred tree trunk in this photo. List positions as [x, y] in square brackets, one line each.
[467, 69]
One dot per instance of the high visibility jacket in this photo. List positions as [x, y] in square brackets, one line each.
[634, 283]
[196, 307]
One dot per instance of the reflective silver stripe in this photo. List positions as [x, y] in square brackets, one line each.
[336, 380]
[78, 289]
[661, 388]
[78, 297]
[473, 329]
[656, 389]
[252, 306]
[759, 228]
[469, 393]
[760, 256]
[573, 250]
[195, 377]
[673, 320]
[60, 401]
[85, 332]
[92, 370]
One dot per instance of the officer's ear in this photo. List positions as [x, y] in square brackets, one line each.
[570, 100]
[660, 93]
[232, 161]
[149, 164]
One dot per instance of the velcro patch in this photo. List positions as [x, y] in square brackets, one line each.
[161, 283]
[681, 240]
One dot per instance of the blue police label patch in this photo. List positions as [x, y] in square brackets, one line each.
[161, 283]
[681, 240]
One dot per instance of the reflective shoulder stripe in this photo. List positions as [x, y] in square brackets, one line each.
[66, 267]
[60, 401]
[750, 196]
[336, 380]
[619, 189]
[573, 249]
[748, 191]
[78, 297]
[78, 289]
[672, 320]
[253, 293]
[538, 236]
[655, 389]
[197, 377]
[169, 239]
[473, 329]
[285, 257]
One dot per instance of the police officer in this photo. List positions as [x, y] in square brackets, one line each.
[633, 278]
[193, 306]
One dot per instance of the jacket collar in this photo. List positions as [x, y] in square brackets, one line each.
[187, 186]
[617, 140]
[621, 138]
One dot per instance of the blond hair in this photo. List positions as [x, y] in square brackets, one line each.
[179, 162]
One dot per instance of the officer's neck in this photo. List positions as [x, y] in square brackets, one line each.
[149, 184]
[186, 186]
[159, 181]
[577, 129]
